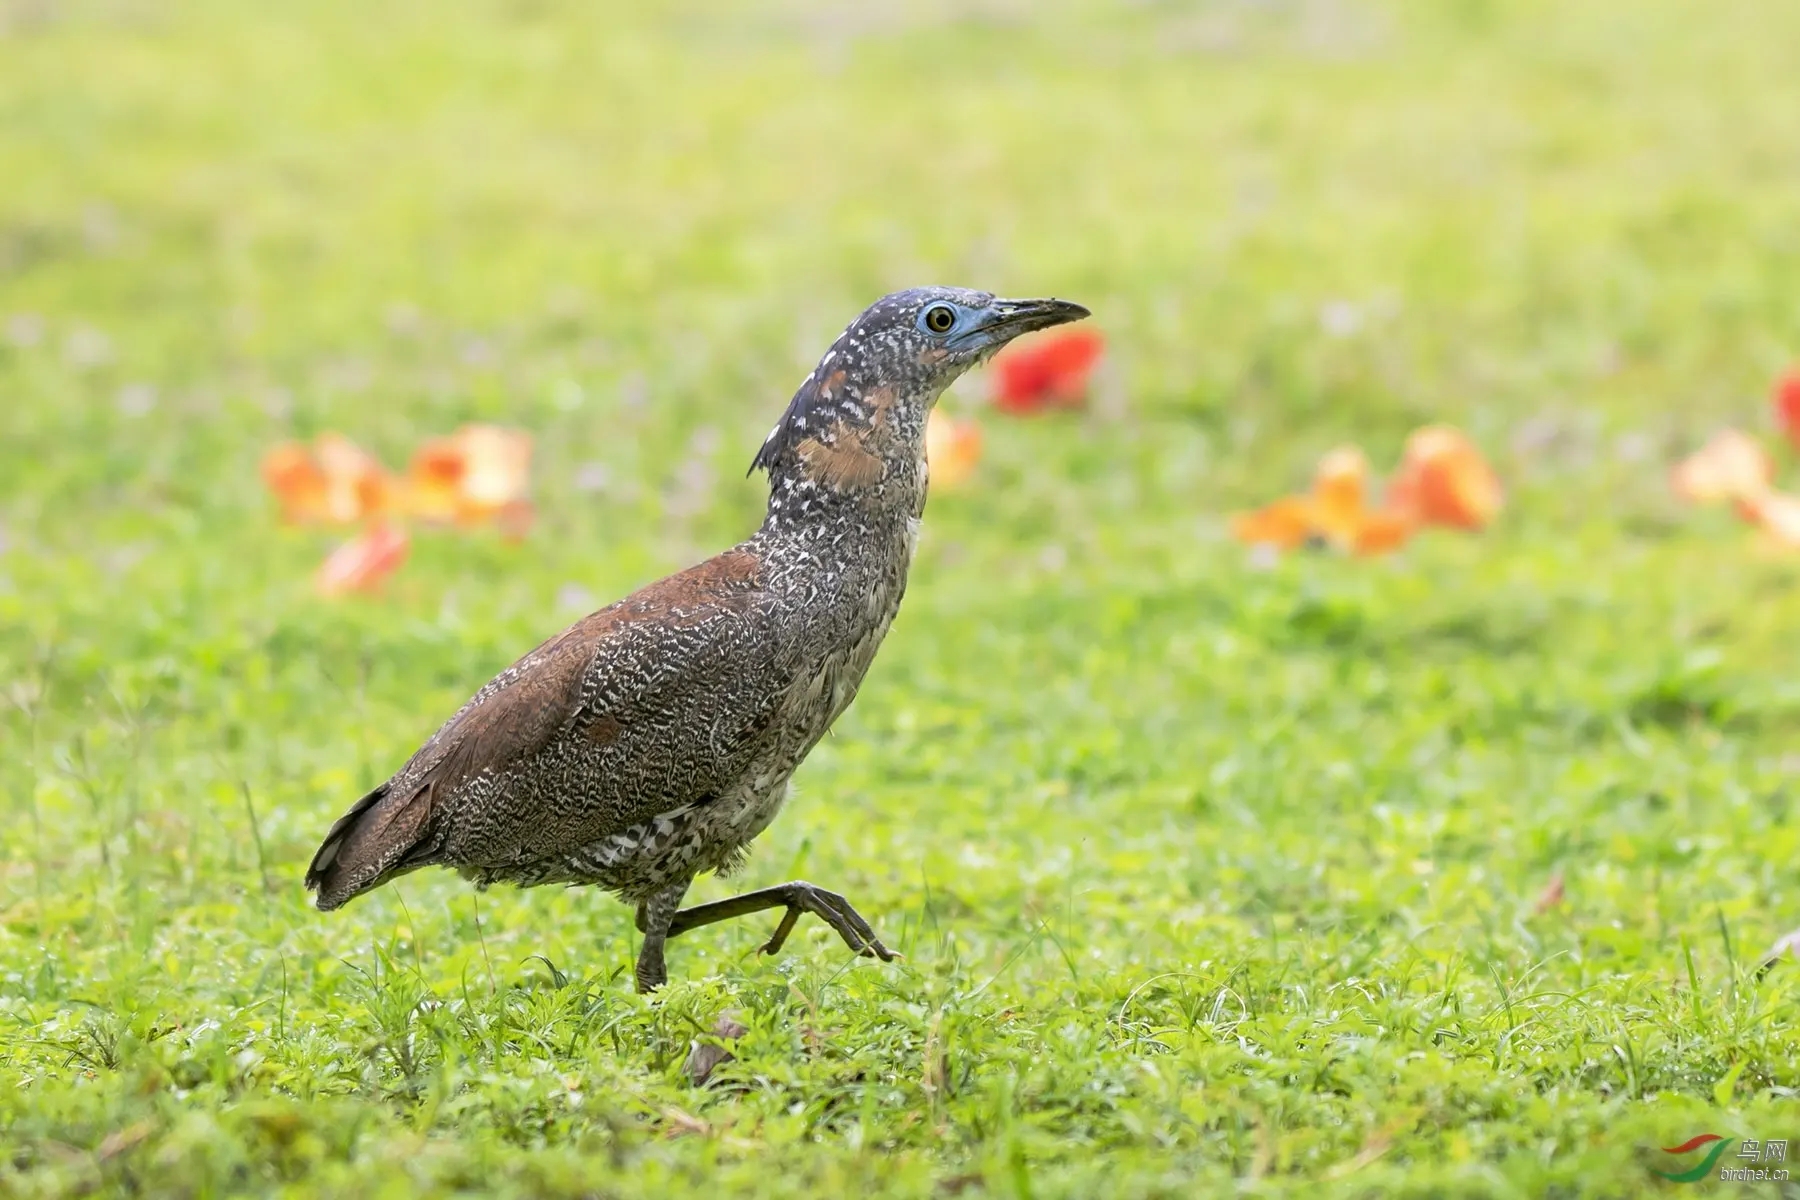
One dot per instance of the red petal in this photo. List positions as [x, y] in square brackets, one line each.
[1787, 404]
[360, 564]
[1048, 372]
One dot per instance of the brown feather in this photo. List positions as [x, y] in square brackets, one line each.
[520, 719]
[370, 846]
[845, 464]
[514, 718]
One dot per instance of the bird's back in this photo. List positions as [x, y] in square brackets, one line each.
[653, 736]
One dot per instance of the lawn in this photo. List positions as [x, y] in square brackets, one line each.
[1211, 874]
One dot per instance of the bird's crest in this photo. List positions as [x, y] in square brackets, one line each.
[790, 431]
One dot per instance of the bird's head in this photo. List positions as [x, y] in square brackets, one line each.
[858, 420]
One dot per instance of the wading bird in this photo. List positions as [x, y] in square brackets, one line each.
[654, 739]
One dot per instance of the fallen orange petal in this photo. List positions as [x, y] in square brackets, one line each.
[357, 485]
[1287, 523]
[434, 478]
[479, 473]
[1381, 533]
[1340, 484]
[334, 481]
[360, 564]
[496, 468]
[298, 483]
[952, 449]
[1776, 513]
[1444, 480]
[1731, 466]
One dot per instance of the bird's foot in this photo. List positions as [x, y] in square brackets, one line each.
[797, 897]
[835, 911]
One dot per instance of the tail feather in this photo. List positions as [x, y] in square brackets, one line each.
[368, 844]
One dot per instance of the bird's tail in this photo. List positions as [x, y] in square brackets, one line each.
[369, 844]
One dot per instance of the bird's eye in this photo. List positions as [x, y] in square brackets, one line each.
[939, 318]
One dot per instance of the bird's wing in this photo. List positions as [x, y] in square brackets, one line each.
[631, 678]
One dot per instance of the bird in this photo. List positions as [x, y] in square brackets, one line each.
[654, 739]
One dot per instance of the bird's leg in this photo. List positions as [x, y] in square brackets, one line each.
[653, 917]
[797, 897]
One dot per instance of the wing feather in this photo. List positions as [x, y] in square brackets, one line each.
[605, 678]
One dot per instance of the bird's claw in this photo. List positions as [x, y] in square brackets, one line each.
[836, 912]
[877, 950]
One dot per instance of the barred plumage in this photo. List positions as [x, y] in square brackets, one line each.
[653, 740]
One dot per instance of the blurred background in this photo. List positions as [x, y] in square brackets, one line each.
[1571, 230]
[631, 228]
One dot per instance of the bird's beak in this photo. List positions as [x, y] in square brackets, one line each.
[1004, 320]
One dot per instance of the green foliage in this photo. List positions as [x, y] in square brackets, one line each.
[1209, 877]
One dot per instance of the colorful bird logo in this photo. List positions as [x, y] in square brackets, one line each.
[1705, 1166]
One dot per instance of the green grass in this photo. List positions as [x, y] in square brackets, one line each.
[1209, 878]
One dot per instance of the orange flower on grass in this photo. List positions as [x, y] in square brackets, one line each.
[1339, 490]
[952, 449]
[1777, 514]
[479, 473]
[1381, 532]
[294, 476]
[332, 482]
[1285, 524]
[1731, 466]
[1334, 511]
[433, 480]
[363, 562]
[1443, 479]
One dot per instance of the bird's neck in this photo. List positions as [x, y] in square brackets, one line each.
[845, 555]
[849, 506]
